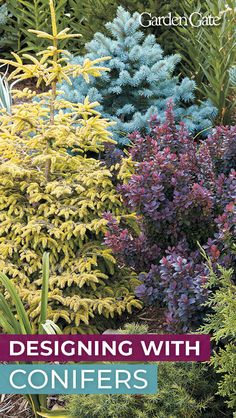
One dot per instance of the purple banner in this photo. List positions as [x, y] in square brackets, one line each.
[113, 347]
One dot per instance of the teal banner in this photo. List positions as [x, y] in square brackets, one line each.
[80, 379]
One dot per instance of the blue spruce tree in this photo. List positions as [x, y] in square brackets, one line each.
[140, 81]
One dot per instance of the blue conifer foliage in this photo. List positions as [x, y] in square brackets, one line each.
[140, 83]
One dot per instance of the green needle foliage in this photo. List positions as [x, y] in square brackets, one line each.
[186, 390]
[221, 323]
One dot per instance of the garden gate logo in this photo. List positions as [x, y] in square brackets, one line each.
[195, 20]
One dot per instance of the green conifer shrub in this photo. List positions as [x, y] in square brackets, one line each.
[221, 323]
[185, 390]
[51, 201]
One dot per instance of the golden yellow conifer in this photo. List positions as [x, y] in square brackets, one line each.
[50, 200]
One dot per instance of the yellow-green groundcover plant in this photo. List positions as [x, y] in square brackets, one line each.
[53, 201]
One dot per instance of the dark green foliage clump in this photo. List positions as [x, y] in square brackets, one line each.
[83, 16]
[4, 19]
[32, 14]
[97, 12]
[210, 67]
